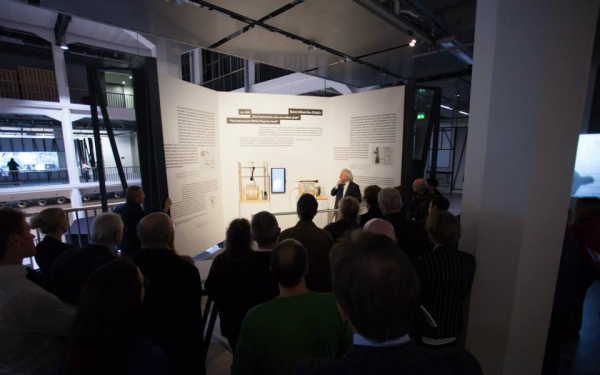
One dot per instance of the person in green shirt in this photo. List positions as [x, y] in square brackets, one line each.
[298, 325]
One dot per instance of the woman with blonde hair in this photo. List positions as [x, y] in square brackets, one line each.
[53, 223]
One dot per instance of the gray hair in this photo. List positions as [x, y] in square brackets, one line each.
[105, 226]
[349, 174]
[389, 200]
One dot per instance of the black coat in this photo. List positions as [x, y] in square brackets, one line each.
[72, 268]
[131, 214]
[172, 308]
[408, 359]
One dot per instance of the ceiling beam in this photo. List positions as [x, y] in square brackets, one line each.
[60, 28]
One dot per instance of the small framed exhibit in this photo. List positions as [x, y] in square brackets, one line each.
[277, 180]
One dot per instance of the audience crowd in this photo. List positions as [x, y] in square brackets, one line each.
[378, 293]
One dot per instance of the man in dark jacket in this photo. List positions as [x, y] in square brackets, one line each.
[132, 212]
[345, 187]
[73, 267]
[317, 241]
[374, 279]
[172, 305]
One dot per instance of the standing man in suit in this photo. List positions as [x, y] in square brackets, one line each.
[345, 188]
[172, 305]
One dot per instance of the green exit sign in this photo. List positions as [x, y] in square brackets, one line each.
[421, 116]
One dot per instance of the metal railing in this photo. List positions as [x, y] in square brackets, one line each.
[113, 99]
[80, 227]
[60, 176]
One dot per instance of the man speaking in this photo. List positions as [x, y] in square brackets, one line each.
[345, 188]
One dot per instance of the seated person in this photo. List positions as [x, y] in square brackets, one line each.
[251, 281]
[380, 226]
[417, 210]
[438, 203]
[34, 324]
[53, 223]
[446, 276]
[72, 268]
[277, 335]
[410, 236]
[348, 218]
[172, 306]
[377, 290]
[238, 245]
[370, 198]
[316, 241]
[432, 184]
[107, 335]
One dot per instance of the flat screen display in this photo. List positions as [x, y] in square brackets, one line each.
[277, 180]
[586, 179]
[30, 161]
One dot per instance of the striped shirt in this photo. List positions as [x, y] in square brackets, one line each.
[446, 276]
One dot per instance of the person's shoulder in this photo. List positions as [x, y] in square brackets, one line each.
[322, 367]
[457, 361]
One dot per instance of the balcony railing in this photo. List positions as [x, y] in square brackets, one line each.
[61, 176]
[113, 99]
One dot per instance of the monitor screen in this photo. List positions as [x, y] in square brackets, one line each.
[277, 180]
[30, 161]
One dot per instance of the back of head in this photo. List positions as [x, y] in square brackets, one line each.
[289, 260]
[440, 203]
[419, 185]
[48, 220]
[156, 230]
[107, 227]
[238, 243]
[370, 195]
[433, 182]
[307, 207]
[380, 226]
[443, 228]
[112, 292]
[264, 228]
[131, 192]
[107, 321]
[349, 208]
[389, 200]
[12, 223]
[376, 285]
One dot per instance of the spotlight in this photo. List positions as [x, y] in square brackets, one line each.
[413, 43]
[123, 82]
[64, 46]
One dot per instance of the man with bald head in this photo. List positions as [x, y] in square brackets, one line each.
[380, 226]
[419, 206]
[172, 312]
[410, 236]
[277, 335]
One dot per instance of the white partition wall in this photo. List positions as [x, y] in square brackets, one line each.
[532, 60]
[210, 135]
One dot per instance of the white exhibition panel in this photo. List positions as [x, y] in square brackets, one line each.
[209, 134]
